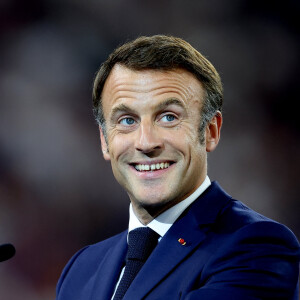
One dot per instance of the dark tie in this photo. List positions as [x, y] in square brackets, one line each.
[141, 242]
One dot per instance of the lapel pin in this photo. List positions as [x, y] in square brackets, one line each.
[182, 241]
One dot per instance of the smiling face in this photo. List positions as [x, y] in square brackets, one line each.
[152, 126]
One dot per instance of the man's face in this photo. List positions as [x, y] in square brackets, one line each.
[152, 125]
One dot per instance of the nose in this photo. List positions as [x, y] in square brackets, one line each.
[148, 138]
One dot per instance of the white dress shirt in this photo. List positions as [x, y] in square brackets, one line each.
[162, 223]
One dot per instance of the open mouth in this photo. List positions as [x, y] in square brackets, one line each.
[152, 167]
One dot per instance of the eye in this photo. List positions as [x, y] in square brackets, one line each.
[127, 121]
[168, 118]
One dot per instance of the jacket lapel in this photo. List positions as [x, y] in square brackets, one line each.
[170, 252]
[109, 270]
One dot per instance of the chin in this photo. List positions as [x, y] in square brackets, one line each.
[155, 205]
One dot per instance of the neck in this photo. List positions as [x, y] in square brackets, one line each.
[148, 212]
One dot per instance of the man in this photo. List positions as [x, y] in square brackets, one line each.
[158, 103]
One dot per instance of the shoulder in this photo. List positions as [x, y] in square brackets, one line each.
[253, 250]
[231, 217]
[241, 221]
[88, 258]
[99, 248]
[91, 252]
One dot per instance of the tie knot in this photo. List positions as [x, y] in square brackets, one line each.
[141, 242]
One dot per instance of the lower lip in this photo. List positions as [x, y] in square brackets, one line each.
[151, 174]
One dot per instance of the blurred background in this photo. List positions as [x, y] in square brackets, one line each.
[57, 194]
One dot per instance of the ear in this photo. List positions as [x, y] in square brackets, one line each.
[104, 146]
[213, 132]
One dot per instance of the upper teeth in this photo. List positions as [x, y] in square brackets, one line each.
[152, 167]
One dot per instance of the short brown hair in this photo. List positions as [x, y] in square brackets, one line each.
[161, 52]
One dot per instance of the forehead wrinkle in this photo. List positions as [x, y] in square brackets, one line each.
[185, 94]
[185, 90]
[173, 100]
[124, 88]
[138, 84]
[143, 84]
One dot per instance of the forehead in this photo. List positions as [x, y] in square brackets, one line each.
[124, 83]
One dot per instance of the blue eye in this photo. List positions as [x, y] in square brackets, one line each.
[127, 121]
[168, 118]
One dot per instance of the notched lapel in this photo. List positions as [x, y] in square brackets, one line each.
[109, 270]
[170, 252]
[209, 205]
[167, 255]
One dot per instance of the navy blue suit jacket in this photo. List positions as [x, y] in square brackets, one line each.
[231, 253]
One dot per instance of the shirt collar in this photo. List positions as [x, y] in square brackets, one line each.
[162, 223]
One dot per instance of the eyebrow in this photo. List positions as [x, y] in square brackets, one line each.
[168, 102]
[121, 108]
[161, 106]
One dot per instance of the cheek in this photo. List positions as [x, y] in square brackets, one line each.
[193, 147]
[185, 136]
[119, 145]
[190, 135]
